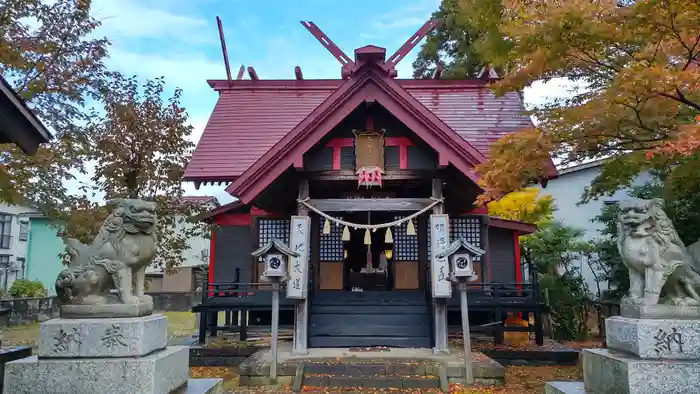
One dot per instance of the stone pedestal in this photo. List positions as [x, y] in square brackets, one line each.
[119, 355]
[644, 356]
[118, 337]
[610, 371]
[652, 339]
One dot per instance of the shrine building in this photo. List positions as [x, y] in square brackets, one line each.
[349, 172]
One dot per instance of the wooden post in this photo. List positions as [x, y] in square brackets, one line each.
[243, 333]
[439, 305]
[275, 329]
[301, 308]
[466, 336]
[203, 313]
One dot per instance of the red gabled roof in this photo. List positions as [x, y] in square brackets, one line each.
[250, 117]
[369, 84]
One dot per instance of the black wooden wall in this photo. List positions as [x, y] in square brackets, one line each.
[501, 247]
[232, 248]
[420, 156]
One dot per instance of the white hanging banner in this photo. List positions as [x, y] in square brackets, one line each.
[440, 268]
[299, 240]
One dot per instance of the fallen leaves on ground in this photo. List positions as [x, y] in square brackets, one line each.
[590, 344]
[519, 380]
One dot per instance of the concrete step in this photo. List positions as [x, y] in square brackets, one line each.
[376, 382]
[354, 374]
[371, 369]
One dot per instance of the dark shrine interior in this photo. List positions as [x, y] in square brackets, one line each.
[356, 262]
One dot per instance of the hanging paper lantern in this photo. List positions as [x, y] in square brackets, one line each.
[368, 237]
[327, 227]
[388, 238]
[346, 234]
[388, 253]
[410, 230]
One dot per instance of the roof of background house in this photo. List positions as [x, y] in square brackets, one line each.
[582, 166]
[200, 200]
[19, 125]
[251, 116]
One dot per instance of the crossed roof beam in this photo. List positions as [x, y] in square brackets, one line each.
[348, 66]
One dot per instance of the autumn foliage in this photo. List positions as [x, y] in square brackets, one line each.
[51, 56]
[134, 144]
[526, 205]
[635, 61]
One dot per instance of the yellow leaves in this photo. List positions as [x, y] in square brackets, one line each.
[514, 161]
[526, 205]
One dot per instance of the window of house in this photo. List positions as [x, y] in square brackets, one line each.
[21, 265]
[4, 267]
[5, 231]
[23, 230]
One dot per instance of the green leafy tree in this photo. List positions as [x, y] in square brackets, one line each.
[22, 288]
[450, 45]
[557, 252]
[51, 57]
[140, 144]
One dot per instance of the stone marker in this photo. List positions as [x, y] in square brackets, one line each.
[107, 339]
[654, 347]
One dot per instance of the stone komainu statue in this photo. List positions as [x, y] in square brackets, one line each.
[116, 259]
[661, 268]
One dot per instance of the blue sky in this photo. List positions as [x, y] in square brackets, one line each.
[178, 39]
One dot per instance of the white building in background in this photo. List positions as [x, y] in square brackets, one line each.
[14, 243]
[567, 190]
[182, 279]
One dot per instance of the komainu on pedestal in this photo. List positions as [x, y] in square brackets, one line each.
[115, 260]
[107, 339]
[654, 346]
[660, 267]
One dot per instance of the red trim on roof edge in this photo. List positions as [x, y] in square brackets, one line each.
[363, 86]
[520, 227]
[295, 84]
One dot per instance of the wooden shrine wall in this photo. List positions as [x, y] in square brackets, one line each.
[406, 256]
[232, 248]
[336, 151]
[503, 264]
[330, 257]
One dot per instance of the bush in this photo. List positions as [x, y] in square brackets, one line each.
[23, 288]
[568, 307]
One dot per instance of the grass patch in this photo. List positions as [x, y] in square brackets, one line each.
[180, 325]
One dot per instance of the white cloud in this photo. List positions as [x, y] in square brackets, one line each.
[540, 93]
[400, 22]
[136, 19]
[413, 15]
[188, 71]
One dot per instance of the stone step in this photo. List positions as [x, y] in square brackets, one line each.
[372, 369]
[340, 382]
